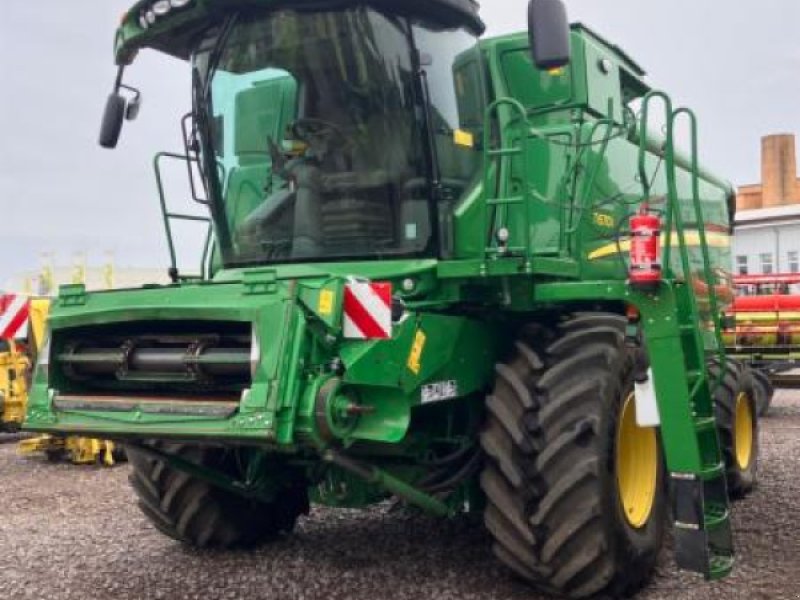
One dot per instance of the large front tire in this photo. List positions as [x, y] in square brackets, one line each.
[197, 513]
[558, 505]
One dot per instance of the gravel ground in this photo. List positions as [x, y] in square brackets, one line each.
[71, 532]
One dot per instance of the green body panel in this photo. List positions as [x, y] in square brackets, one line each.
[296, 340]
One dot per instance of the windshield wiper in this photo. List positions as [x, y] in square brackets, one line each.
[203, 140]
[216, 52]
[203, 133]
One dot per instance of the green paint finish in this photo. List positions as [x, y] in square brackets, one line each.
[325, 302]
[539, 232]
[535, 89]
[453, 354]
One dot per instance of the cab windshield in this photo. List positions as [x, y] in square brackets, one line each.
[320, 142]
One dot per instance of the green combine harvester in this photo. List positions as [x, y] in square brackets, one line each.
[465, 274]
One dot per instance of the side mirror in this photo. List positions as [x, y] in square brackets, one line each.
[113, 117]
[548, 28]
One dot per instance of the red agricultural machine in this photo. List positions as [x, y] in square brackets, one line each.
[763, 329]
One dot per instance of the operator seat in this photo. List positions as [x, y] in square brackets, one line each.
[262, 111]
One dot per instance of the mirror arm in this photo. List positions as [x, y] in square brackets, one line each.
[119, 85]
[136, 93]
[118, 81]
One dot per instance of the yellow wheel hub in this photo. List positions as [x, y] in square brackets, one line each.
[743, 431]
[637, 466]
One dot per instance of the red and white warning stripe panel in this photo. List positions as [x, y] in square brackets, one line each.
[14, 315]
[367, 310]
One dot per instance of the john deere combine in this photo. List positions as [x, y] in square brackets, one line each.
[434, 273]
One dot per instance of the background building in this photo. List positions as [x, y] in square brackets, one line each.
[768, 214]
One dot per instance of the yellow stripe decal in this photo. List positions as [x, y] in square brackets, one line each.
[713, 238]
[751, 317]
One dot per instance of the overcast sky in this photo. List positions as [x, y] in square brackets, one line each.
[736, 63]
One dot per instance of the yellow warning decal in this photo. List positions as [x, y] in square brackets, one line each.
[714, 240]
[415, 357]
[326, 301]
[463, 138]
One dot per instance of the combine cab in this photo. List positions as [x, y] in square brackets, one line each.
[763, 328]
[463, 273]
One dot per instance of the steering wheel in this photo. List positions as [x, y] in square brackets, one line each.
[307, 129]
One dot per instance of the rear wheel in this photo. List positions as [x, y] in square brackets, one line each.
[737, 420]
[574, 487]
[763, 390]
[195, 512]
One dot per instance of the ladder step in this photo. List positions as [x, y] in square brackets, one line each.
[694, 374]
[713, 472]
[716, 516]
[720, 566]
[505, 201]
[505, 152]
[505, 251]
[703, 424]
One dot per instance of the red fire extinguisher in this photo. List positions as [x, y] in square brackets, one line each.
[645, 269]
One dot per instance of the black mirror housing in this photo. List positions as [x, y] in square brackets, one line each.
[549, 31]
[114, 115]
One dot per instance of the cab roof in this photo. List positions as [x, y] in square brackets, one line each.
[621, 55]
[174, 33]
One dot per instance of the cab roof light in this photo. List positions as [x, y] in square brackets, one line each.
[161, 7]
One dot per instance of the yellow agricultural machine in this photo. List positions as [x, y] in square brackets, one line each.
[22, 324]
[79, 450]
[22, 336]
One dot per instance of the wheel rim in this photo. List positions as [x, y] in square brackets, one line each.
[637, 466]
[744, 431]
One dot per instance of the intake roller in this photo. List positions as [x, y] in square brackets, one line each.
[194, 359]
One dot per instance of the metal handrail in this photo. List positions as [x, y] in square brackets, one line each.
[698, 207]
[502, 155]
[674, 217]
[168, 216]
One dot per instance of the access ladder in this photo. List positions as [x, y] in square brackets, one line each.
[701, 509]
